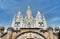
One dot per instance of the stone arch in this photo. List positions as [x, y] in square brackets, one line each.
[30, 32]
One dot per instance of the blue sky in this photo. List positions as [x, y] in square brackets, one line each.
[49, 8]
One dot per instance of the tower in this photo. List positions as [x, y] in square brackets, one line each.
[17, 21]
[39, 16]
[40, 21]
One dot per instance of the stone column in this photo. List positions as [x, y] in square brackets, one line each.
[14, 35]
[50, 32]
[0, 35]
[46, 35]
[9, 33]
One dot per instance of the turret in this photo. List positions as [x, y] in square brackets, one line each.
[17, 21]
[28, 19]
[56, 29]
[39, 19]
[1, 30]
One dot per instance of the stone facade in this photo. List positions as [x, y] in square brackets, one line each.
[28, 28]
[14, 34]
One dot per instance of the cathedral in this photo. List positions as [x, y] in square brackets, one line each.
[29, 27]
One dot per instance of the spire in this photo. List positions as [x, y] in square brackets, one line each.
[29, 12]
[39, 14]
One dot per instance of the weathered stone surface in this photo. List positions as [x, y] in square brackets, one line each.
[14, 34]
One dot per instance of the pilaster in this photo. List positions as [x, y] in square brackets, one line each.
[9, 33]
[50, 32]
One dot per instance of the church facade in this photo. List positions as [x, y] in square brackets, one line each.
[28, 27]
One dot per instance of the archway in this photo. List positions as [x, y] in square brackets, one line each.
[35, 35]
